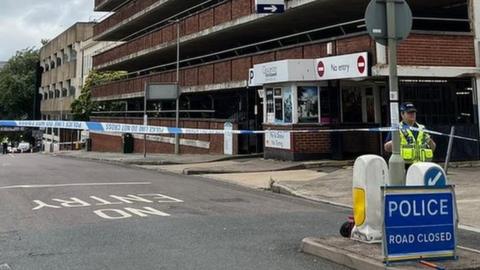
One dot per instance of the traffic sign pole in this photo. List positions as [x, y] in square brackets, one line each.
[396, 162]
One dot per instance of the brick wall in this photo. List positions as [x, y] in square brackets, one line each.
[431, 50]
[108, 143]
[235, 69]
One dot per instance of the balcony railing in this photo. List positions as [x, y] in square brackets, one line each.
[108, 5]
[191, 24]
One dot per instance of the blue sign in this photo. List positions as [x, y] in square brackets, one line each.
[435, 177]
[270, 8]
[419, 223]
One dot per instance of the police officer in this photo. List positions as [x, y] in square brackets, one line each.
[415, 145]
[4, 146]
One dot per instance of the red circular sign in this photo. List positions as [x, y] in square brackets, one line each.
[361, 64]
[321, 69]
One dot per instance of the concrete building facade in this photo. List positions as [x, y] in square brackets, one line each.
[60, 84]
[242, 67]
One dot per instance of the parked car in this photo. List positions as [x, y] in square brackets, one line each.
[23, 147]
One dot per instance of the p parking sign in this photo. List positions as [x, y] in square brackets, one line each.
[419, 223]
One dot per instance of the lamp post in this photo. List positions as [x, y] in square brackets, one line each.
[177, 102]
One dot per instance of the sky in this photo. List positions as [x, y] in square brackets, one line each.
[24, 23]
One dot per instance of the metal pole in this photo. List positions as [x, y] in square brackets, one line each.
[177, 103]
[449, 149]
[396, 162]
[145, 120]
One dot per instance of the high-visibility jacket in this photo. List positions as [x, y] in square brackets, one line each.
[414, 149]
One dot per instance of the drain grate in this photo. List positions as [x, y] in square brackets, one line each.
[5, 267]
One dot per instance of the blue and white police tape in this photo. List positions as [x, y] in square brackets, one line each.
[146, 129]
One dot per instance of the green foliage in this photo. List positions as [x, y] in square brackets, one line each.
[83, 106]
[17, 85]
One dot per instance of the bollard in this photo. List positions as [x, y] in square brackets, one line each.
[370, 172]
[426, 174]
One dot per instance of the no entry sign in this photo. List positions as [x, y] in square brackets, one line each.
[342, 66]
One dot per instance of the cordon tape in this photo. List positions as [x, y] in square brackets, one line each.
[100, 127]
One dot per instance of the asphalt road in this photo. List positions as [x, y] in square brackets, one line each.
[69, 214]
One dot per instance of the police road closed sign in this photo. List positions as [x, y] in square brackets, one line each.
[419, 223]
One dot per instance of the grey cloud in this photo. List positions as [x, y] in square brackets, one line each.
[23, 23]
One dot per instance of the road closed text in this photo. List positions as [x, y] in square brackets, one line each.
[420, 238]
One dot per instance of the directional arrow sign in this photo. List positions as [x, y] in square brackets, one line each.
[270, 6]
[435, 177]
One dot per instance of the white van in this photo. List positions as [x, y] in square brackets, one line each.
[23, 147]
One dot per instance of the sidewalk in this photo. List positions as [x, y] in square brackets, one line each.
[151, 159]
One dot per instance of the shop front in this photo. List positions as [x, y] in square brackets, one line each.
[339, 92]
[319, 94]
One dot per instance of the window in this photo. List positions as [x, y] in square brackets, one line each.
[57, 93]
[308, 102]
[58, 60]
[50, 94]
[45, 96]
[279, 105]
[72, 91]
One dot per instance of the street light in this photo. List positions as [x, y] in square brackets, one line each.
[177, 101]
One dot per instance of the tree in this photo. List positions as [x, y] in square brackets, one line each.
[83, 106]
[18, 85]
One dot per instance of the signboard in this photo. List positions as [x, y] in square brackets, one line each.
[277, 139]
[376, 20]
[419, 223]
[435, 177]
[282, 71]
[342, 67]
[161, 91]
[228, 139]
[269, 6]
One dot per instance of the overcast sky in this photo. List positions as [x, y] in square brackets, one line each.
[23, 23]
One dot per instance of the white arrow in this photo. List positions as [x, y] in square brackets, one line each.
[272, 8]
[433, 182]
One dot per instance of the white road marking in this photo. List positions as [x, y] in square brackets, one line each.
[75, 184]
[470, 249]
[469, 228]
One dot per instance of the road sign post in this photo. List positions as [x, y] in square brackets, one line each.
[389, 21]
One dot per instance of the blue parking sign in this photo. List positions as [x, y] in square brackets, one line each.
[435, 177]
[419, 223]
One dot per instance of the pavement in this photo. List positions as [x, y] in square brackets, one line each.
[330, 182]
[151, 159]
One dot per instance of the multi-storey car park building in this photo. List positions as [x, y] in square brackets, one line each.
[244, 68]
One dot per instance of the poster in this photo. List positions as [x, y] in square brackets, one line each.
[307, 104]
[287, 106]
